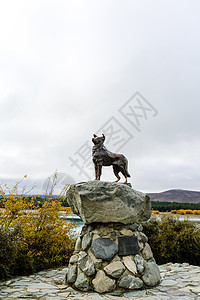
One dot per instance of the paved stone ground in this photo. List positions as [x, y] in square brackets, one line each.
[179, 282]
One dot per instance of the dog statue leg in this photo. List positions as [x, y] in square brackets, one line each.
[96, 167]
[116, 171]
[96, 172]
[99, 171]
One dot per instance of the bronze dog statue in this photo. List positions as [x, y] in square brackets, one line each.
[102, 157]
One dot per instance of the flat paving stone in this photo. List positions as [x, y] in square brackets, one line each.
[53, 298]
[96, 296]
[179, 282]
[42, 286]
[135, 294]
[168, 282]
[20, 283]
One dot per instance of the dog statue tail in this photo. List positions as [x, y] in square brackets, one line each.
[128, 175]
[126, 169]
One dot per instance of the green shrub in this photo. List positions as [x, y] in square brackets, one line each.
[7, 253]
[174, 241]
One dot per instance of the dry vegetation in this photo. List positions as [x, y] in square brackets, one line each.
[32, 238]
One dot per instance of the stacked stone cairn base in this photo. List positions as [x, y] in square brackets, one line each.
[112, 253]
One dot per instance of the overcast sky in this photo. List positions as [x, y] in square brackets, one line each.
[68, 69]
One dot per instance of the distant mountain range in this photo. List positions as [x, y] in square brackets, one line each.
[180, 196]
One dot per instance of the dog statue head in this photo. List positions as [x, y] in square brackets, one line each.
[98, 140]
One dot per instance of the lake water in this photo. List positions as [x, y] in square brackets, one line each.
[77, 220]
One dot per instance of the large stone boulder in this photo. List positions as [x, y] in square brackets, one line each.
[105, 202]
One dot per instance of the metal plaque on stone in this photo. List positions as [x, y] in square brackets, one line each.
[128, 245]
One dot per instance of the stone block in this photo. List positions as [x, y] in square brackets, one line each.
[71, 274]
[97, 261]
[115, 269]
[73, 259]
[126, 232]
[103, 283]
[151, 275]
[86, 264]
[86, 241]
[139, 261]
[105, 202]
[131, 282]
[130, 264]
[78, 245]
[104, 248]
[146, 252]
[82, 283]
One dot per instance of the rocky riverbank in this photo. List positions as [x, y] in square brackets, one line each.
[179, 282]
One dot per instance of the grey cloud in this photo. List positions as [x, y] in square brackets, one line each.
[67, 67]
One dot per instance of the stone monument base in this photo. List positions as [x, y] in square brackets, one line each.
[112, 253]
[112, 257]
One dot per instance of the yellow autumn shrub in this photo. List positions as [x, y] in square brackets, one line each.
[156, 212]
[186, 211]
[189, 211]
[40, 236]
[181, 212]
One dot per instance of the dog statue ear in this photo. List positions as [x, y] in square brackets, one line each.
[103, 136]
[94, 135]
